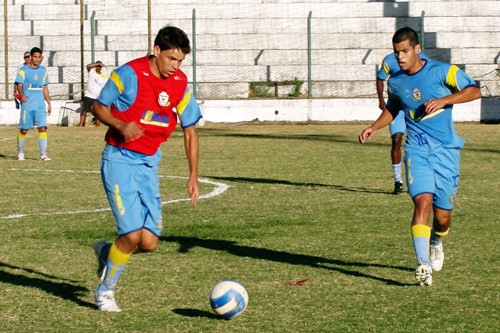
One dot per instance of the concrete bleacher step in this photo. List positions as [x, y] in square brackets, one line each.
[348, 36]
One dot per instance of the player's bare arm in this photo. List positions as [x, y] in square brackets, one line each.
[383, 120]
[129, 131]
[46, 95]
[380, 94]
[23, 97]
[191, 145]
[466, 95]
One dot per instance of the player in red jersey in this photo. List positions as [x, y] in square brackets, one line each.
[141, 104]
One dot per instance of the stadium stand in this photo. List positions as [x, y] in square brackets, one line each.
[256, 48]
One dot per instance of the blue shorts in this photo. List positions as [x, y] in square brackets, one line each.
[436, 173]
[398, 124]
[29, 117]
[133, 192]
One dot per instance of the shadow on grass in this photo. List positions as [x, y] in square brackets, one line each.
[301, 184]
[196, 313]
[67, 290]
[344, 267]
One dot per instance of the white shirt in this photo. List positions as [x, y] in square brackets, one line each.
[96, 83]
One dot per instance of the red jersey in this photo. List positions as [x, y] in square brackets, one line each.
[153, 107]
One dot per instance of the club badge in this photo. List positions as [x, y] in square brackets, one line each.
[417, 95]
[163, 99]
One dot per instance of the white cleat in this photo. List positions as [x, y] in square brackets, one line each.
[105, 301]
[20, 157]
[437, 257]
[423, 274]
[44, 157]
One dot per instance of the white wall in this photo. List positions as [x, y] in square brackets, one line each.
[293, 110]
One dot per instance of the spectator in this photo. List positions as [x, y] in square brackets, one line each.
[96, 81]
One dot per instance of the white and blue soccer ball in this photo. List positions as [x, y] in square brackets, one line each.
[228, 298]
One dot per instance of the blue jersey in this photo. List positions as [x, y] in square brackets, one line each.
[390, 65]
[410, 92]
[33, 81]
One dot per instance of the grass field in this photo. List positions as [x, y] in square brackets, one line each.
[304, 201]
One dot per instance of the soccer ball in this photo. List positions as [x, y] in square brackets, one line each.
[228, 298]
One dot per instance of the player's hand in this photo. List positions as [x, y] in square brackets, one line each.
[382, 105]
[433, 105]
[130, 131]
[24, 99]
[367, 134]
[49, 109]
[193, 190]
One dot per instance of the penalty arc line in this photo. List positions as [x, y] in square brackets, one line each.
[218, 190]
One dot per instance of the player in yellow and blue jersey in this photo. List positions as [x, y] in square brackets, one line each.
[397, 127]
[32, 86]
[426, 91]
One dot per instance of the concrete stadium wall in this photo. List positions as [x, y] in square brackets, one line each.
[350, 37]
[267, 110]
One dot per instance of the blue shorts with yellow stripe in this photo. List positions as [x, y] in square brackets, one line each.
[437, 173]
[28, 118]
[133, 192]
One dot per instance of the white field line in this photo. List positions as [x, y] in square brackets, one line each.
[219, 188]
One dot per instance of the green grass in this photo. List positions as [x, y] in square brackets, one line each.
[305, 201]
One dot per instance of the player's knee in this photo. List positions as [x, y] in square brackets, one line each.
[442, 221]
[397, 139]
[423, 202]
[147, 248]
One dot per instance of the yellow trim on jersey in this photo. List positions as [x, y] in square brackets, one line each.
[118, 82]
[421, 230]
[451, 77]
[185, 101]
[386, 68]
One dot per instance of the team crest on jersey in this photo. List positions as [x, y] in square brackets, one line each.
[35, 77]
[417, 95]
[163, 99]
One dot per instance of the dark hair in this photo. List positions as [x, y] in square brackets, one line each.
[406, 33]
[35, 50]
[170, 37]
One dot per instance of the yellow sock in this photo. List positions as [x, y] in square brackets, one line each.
[442, 233]
[118, 260]
[421, 235]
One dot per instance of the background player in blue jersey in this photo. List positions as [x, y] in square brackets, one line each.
[141, 104]
[17, 95]
[397, 127]
[32, 86]
[426, 92]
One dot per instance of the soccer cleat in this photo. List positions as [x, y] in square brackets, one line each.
[423, 274]
[101, 250]
[105, 301]
[44, 157]
[437, 257]
[20, 157]
[398, 188]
